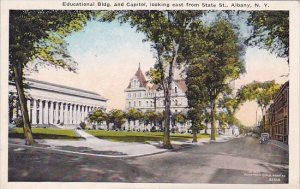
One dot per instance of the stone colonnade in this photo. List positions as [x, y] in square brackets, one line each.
[47, 111]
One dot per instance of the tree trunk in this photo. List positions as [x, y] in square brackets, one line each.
[213, 124]
[18, 74]
[262, 120]
[167, 93]
[166, 139]
[195, 139]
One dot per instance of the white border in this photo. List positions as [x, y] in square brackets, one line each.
[292, 6]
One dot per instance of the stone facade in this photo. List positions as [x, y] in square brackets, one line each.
[53, 104]
[144, 96]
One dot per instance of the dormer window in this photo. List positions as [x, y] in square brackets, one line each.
[135, 83]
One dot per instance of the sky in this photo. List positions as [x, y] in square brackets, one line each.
[108, 55]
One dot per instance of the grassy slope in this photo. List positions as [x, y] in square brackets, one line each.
[139, 136]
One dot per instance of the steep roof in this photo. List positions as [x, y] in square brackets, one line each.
[181, 84]
[143, 82]
[140, 77]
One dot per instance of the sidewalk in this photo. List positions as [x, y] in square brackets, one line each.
[99, 147]
[279, 144]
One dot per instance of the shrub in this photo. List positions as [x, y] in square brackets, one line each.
[19, 122]
[82, 125]
[153, 129]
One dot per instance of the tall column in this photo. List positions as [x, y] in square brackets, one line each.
[66, 113]
[28, 109]
[56, 113]
[51, 112]
[82, 113]
[85, 111]
[79, 114]
[76, 114]
[46, 112]
[33, 117]
[71, 114]
[61, 113]
[40, 112]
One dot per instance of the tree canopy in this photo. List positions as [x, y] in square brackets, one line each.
[270, 31]
[210, 71]
[40, 35]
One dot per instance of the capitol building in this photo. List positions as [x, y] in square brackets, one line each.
[53, 104]
[144, 96]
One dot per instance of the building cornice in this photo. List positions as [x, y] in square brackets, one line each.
[51, 87]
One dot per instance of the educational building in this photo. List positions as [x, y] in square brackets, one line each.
[53, 104]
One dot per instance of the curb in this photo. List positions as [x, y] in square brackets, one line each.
[88, 154]
[190, 145]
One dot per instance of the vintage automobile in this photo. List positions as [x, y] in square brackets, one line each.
[264, 138]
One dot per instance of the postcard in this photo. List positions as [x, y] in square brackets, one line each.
[149, 94]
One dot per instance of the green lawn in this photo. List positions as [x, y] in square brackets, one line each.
[44, 133]
[124, 136]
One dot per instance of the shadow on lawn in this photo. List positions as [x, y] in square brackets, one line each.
[45, 136]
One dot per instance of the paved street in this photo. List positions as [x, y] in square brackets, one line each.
[241, 160]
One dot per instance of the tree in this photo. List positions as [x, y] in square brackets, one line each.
[39, 35]
[150, 117]
[97, 116]
[261, 92]
[179, 117]
[133, 115]
[214, 63]
[117, 117]
[160, 119]
[270, 31]
[166, 31]
[197, 117]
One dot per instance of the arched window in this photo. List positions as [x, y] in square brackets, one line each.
[139, 103]
[175, 89]
[129, 104]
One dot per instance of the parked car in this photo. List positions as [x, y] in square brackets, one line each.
[264, 138]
